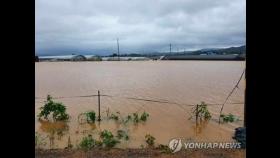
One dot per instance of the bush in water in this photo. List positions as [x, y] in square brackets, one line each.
[55, 109]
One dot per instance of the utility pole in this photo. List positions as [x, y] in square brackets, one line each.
[118, 49]
[170, 48]
[99, 117]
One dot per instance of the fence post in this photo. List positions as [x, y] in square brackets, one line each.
[196, 114]
[196, 119]
[99, 118]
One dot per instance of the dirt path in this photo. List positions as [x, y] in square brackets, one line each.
[142, 153]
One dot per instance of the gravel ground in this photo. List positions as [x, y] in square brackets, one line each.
[141, 153]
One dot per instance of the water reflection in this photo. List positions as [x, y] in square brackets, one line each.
[200, 126]
[54, 130]
[86, 128]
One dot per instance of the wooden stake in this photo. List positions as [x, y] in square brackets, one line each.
[99, 118]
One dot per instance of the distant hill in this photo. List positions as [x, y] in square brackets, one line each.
[218, 51]
[230, 50]
[233, 50]
[224, 51]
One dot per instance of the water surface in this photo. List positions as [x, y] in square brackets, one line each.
[175, 84]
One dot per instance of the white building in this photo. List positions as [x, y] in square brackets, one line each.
[125, 58]
[93, 58]
[63, 58]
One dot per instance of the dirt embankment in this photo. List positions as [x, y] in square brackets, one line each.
[142, 153]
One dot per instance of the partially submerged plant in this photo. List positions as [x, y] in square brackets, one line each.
[114, 116]
[150, 140]
[108, 139]
[106, 134]
[127, 118]
[89, 116]
[201, 112]
[135, 118]
[164, 149]
[122, 134]
[144, 116]
[87, 143]
[229, 118]
[55, 109]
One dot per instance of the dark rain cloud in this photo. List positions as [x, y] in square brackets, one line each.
[92, 26]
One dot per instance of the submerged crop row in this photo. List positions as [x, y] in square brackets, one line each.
[54, 111]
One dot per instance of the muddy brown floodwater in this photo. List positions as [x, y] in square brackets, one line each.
[176, 84]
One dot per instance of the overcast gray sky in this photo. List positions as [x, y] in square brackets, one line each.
[92, 26]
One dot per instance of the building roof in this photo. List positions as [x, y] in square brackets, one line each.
[60, 57]
[89, 56]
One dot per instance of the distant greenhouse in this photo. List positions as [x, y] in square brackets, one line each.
[125, 58]
[63, 58]
[93, 58]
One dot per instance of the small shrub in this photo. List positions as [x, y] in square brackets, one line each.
[122, 134]
[87, 143]
[164, 149]
[106, 134]
[90, 116]
[108, 139]
[57, 110]
[114, 117]
[228, 118]
[150, 140]
[144, 116]
[202, 112]
[128, 118]
[136, 118]
[110, 142]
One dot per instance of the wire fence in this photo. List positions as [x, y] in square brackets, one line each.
[159, 100]
[133, 98]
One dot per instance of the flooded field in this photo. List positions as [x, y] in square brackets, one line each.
[175, 85]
